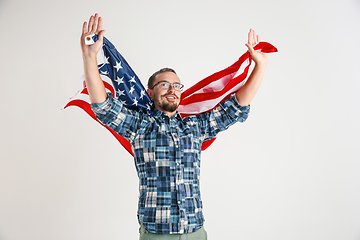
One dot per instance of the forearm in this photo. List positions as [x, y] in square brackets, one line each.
[94, 83]
[221, 118]
[246, 94]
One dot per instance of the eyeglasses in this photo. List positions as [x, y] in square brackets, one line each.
[166, 85]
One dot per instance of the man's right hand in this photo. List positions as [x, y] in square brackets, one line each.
[94, 26]
[94, 83]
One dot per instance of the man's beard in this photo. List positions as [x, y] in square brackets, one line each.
[169, 107]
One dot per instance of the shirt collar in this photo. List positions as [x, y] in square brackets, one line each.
[157, 113]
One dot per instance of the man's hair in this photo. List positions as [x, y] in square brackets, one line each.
[152, 78]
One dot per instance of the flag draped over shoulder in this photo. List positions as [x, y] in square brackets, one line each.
[209, 92]
[121, 80]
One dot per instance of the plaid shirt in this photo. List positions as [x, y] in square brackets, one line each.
[167, 159]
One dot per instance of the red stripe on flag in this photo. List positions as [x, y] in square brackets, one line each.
[107, 86]
[87, 108]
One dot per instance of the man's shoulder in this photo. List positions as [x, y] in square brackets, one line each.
[196, 118]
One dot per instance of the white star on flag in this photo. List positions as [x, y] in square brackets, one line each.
[119, 80]
[148, 107]
[106, 60]
[132, 80]
[142, 94]
[132, 89]
[135, 102]
[120, 93]
[118, 66]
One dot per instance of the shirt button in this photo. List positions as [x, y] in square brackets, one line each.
[179, 202]
[178, 164]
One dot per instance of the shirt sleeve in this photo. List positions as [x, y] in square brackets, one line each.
[122, 120]
[222, 117]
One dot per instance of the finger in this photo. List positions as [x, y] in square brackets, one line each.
[91, 23]
[249, 37]
[96, 20]
[250, 48]
[253, 37]
[101, 34]
[100, 24]
[258, 38]
[84, 28]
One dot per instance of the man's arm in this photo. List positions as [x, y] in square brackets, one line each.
[93, 80]
[246, 94]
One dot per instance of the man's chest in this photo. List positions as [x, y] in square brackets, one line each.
[162, 141]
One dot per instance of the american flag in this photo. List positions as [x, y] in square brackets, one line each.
[121, 80]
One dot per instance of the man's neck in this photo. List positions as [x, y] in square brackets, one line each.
[169, 114]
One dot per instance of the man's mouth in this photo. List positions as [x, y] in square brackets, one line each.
[171, 97]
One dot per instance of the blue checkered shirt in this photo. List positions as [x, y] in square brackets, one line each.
[167, 158]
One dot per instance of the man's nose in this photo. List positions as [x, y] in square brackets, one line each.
[171, 88]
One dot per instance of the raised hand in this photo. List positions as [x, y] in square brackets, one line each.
[94, 84]
[95, 26]
[253, 39]
[246, 94]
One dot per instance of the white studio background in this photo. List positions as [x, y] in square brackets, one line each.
[290, 172]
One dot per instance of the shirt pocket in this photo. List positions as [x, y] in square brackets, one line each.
[191, 148]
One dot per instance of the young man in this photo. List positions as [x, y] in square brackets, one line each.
[167, 147]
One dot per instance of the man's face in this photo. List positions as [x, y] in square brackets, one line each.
[166, 100]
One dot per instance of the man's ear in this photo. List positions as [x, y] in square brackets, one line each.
[150, 92]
